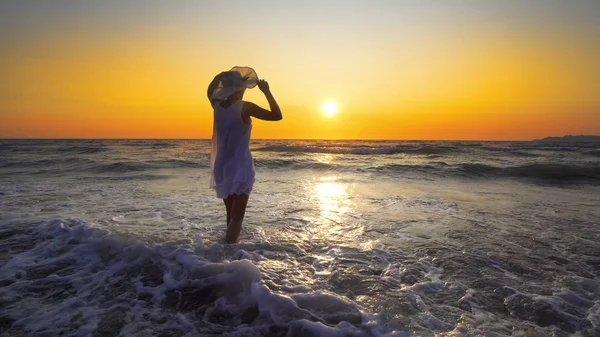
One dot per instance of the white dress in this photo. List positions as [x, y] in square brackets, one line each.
[231, 160]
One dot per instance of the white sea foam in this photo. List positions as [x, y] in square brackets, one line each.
[77, 273]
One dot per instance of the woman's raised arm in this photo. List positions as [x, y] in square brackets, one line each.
[253, 110]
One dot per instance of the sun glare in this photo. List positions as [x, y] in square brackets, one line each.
[329, 108]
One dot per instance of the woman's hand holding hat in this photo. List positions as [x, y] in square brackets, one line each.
[263, 86]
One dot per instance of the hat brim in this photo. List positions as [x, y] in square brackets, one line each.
[237, 79]
[250, 76]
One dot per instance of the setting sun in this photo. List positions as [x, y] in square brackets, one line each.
[329, 108]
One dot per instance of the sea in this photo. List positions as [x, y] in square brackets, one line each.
[341, 238]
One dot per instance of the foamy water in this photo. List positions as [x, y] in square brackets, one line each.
[341, 238]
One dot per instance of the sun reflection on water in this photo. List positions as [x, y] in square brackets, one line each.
[333, 199]
[332, 220]
[328, 190]
[324, 158]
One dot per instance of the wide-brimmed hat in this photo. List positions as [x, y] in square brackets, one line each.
[234, 80]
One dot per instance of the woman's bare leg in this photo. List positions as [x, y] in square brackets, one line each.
[238, 210]
[228, 202]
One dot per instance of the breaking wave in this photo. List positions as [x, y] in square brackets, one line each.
[70, 278]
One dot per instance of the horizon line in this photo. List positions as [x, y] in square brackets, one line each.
[316, 139]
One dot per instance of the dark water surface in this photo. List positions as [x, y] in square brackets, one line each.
[341, 238]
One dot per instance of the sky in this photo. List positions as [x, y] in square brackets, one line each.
[410, 69]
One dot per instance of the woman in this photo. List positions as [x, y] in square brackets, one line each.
[231, 161]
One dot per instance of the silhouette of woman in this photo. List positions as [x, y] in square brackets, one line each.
[231, 160]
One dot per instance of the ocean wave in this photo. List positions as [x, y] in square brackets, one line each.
[153, 144]
[45, 146]
[75, 164]
[82, 149]
[290, 148]
[62, 163]
[593, 153]
[419, 150]
[509, 151]
[178, 163]
[119, 167]
[547, 171]
[552, 148]
[124, 167]
[555, 171]
[116, 178]
[65, 277]
[361, 150]
[296, 164]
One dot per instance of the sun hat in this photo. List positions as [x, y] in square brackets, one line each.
[234, 80]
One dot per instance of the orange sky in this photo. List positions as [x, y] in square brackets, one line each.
[397, 70]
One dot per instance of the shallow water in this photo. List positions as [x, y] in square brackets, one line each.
[341, 238]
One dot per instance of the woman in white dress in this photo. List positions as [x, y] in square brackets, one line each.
[231, 160]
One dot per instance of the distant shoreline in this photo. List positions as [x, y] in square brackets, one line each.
[570, 139]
